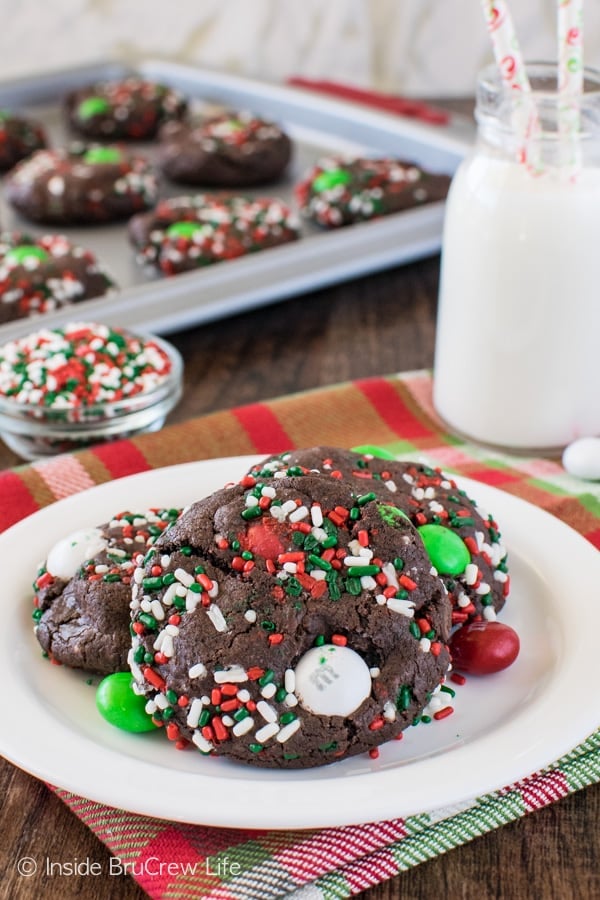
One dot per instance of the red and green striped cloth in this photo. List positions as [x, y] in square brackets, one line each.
[393, 412]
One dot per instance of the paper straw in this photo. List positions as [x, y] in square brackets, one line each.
[570, 77]
[512, 67]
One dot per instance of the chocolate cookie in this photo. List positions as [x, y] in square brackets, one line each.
[19, 138]
[81, 185]
[288, 623]
[184, 233]
[340, 192]
[38, 275]
[230, 150]
[83, 591]
[131, 109]
[463, 541]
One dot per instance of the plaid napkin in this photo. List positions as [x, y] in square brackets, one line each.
[227, 864]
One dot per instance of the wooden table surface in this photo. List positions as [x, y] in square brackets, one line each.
[376, 325]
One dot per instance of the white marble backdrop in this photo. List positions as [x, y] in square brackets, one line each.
[414, 47]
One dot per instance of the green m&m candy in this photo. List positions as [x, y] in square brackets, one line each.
[93, 106]
[446, 549]
[19, 255]
[330, 179]
[184, 229]
[372, 450]
[97, 155]
[117, 703]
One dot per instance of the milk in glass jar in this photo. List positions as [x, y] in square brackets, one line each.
[517, 358]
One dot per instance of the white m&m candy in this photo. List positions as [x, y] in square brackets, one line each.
[66, 557]
[332, 680]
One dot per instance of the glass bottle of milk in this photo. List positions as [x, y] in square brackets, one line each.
[517, 358]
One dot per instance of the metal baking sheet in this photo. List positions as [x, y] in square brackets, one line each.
[317, 126]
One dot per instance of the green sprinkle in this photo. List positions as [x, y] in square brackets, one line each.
[168, 579]
[292, 587]
[240, 714]
[319, 563]
[353, 586]
[251, 512]
[139, 654]
[37, 614]
[186, 551]
[366, 498]
[319, 640]
[255, 748]
[448, 690]
[326, 747]
[415, 630]
[287, 717]
[111, 578]
[359, 571]
[268, 625]
[148, 621]
[398, 564]
[205, 718]
[171, 696]
[404, 698]
[267, 678]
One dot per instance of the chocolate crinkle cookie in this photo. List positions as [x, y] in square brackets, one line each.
[229, 150]
[83, 591]
[127, 109]
[338, 191]
[81, 185]
[19, 138]
[463, 541]
[183, 233]
[41, 274]
[288, 623]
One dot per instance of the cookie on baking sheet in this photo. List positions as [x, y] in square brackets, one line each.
[83, 591]
[339, 191]
[464, 542]
[81, 185]
[183, 233]
[230, 150]
[19, 138]
[41, 274]
[288, 623]
[126, 109]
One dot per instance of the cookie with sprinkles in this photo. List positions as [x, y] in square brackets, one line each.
[463, 541]
[339, 191]
[81, 185]
[234, 149]
[83, 590]
[126, 109]
[288, 623]
[19, 138]
[184, 233]
[41, 274]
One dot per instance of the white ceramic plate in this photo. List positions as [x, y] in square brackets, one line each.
[505, 726]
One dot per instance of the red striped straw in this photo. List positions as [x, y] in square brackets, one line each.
[512, 67]
[570, 75]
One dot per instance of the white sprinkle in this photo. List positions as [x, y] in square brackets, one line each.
[489, 613]
[300, 513]
[289, 680]
[425, 645]
[319, 534]
[389, 711]
[354, 561]
[500, 576]
[408, 478]
[150, 707]
[161, 701]
[165, 560]
[318, 574]
[436, 507]
[316, 515]
[181, 590]
[367, 583]
[483, 588]
[471, 573]
[391, 486]
[197, 670]
[169, 595]
[159, 640]
[277, 513]
[269, 691]
[266, 711]
[145, 604]
[291, 700]
[101, 570]
[216, 617]
[463, 600]
[243, 695]
[232, 673]
[138, 575]
[375, 672]
[194, 713]
[167, 648]
[381, 599]
[250, 615]
[287, 731]
[184, 577]
[267, 731]
[251, 500]
[243, 726]
[390, 573]
[157, 610]
[227, 720]
[173, 630]
[268, 491]
[288, 507]
[404, 607]
[201, 742]
[191, 601]
[290, 567]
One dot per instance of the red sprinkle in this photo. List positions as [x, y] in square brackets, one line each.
[339, 639]
[457, 678]
[443, 713]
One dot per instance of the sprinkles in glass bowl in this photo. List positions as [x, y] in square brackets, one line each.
[65, 388]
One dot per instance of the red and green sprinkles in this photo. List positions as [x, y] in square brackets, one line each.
[80, 366]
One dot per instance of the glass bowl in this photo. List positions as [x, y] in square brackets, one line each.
[35, 431]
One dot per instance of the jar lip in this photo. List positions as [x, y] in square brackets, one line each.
[108, 410]
[491, 81]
